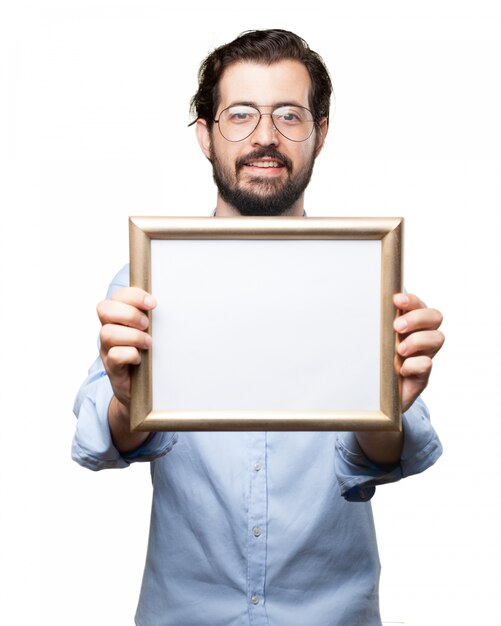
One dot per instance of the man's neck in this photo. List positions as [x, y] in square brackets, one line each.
[223, 209]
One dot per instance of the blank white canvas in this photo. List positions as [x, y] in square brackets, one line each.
[266, 324]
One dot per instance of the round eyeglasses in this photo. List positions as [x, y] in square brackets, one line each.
[239, 121]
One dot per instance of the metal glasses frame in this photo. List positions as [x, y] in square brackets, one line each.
[256, 107]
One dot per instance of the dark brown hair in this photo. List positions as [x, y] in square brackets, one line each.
[266, 47]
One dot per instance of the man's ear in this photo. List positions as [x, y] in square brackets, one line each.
[321, 131]
[204, 137]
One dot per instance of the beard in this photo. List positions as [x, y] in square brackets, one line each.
[263, 196]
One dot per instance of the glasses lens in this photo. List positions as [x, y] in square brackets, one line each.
[294, 122]
[238, 122]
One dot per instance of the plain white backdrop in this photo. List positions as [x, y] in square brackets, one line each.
[93, 128]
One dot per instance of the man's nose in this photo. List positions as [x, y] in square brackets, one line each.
[265, 133]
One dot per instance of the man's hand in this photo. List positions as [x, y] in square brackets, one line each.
[122, 337]
[420, 341]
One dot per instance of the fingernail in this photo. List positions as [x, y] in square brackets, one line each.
[402, 299]
[400, 324]
[149, 301]
[402, 348]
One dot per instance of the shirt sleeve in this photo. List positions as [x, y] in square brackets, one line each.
[358, 476]
[92, 443]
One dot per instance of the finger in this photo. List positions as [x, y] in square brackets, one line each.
[418, 319]
[418, 367]
[117, 335]
[426, 343]
[116, 312]
[136, 297]
[411, 389]
[120, 357]
[408, 302]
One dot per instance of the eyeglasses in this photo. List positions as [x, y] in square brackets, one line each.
[239, 121]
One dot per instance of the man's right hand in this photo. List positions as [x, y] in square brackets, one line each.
[122, 337]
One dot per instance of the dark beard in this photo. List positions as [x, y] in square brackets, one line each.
[275, 198]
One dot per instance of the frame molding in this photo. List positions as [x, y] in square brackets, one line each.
[142, 230]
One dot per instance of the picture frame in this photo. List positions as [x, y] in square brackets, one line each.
[268, 323]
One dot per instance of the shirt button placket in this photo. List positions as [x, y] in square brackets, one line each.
[257, 526]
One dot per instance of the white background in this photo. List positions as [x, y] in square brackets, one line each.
[93, 118]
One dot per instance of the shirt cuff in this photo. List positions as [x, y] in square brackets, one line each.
[93, 445]
[358, 476]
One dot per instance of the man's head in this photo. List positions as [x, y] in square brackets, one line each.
[262, 156]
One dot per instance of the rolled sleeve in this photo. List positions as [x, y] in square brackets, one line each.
[92, 444]
[358, 476]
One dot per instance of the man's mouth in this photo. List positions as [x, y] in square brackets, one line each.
[270, 161]
[264, 163]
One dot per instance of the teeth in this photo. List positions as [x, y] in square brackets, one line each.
[264, 164]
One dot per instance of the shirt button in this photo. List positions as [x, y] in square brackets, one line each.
[255, 600]
[257, 531]
[257, 466]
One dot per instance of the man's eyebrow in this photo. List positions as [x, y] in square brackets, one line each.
[289, 103]
[239, 103]
[275, 105]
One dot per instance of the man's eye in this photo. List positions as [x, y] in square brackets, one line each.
[240, 115]
[288, 116]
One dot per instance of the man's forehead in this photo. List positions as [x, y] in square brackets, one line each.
[262, 83]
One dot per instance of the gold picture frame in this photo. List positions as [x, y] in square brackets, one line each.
[198, 345]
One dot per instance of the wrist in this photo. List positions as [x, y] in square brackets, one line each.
[119, 421]
[118, 412]
[382, 448]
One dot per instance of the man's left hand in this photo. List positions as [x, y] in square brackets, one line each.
[420, 341]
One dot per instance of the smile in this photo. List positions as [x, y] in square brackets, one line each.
[264, 164]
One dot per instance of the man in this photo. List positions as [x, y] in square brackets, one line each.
[257, 528]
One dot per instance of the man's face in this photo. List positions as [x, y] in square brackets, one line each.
[266, 173]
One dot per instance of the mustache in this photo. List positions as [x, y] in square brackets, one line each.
[261, 153]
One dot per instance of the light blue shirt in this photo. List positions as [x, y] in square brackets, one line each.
[255, 528]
